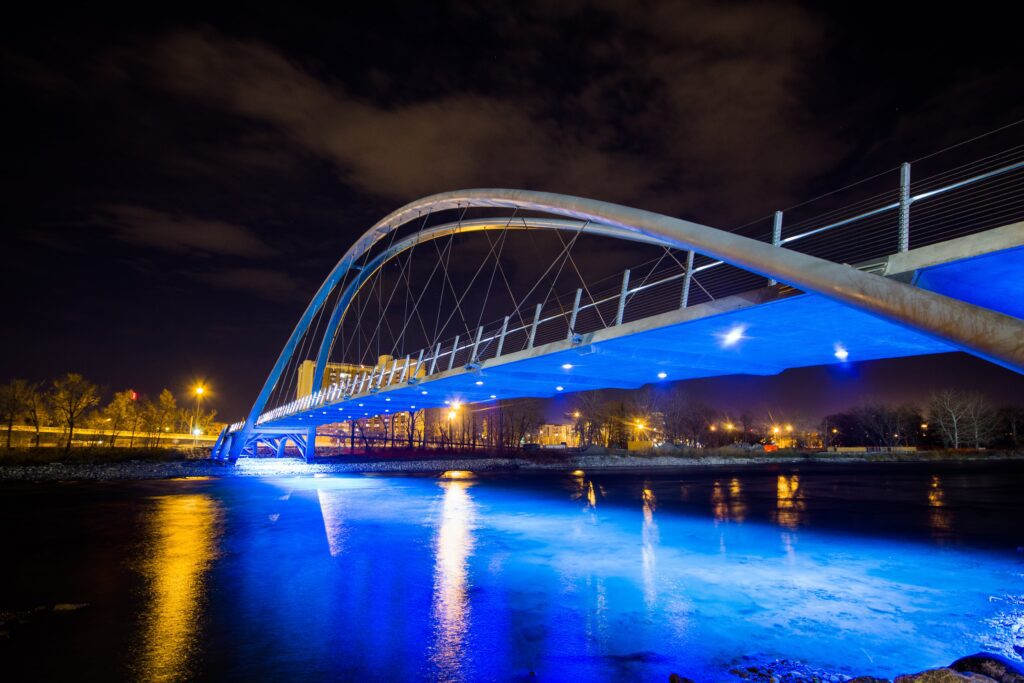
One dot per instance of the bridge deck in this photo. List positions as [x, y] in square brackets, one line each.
[762, 332]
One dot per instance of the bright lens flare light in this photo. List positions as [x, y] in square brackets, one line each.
[841, 353]
[733, 336]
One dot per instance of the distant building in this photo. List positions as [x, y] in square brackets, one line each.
[339, 373]
[334, 373]
[552, 435]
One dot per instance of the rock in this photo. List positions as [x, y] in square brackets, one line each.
[995, 667]
[943, 675]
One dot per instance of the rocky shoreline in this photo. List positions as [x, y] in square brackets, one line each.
[270, 467]
[982, 667]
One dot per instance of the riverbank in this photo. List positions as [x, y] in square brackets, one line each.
[982, 667]
[165, 467]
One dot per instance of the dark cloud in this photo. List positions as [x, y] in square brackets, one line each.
[266, 283]
[702, 94]
[181, 234]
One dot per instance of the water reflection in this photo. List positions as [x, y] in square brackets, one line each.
[737, 508]
[453, 546]
[332, 509]
[719, 508]
[728, 506]
[649, 538]
[789, 501]
[185, 530]
[939, 516]
[584, 489]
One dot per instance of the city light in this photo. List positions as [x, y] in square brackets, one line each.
[451, 414]
[576, 414]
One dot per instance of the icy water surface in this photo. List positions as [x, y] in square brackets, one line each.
[847, 570]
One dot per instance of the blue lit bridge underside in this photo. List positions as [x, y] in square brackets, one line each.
[761, 332]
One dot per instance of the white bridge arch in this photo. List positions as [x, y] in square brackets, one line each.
[986, 333]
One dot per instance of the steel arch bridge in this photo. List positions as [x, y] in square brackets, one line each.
[961, 289]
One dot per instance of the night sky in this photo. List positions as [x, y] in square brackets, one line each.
[177, 183]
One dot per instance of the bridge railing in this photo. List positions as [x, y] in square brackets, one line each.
[977, 196]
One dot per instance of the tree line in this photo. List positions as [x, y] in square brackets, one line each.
[72, 402]
[953, 419]
[670, 415]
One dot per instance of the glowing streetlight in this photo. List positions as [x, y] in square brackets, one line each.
[199, 390]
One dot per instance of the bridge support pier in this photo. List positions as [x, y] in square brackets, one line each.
[310, 450]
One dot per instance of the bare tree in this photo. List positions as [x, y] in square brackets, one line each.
[885, 425]
[37, 409]
[13, 402]
[685, 421]
[72, 396]
[119, 414]
[982, 420]
[1011, 425]
[949, 411]
[161, 414]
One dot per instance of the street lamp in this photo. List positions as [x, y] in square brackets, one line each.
[198, 391]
